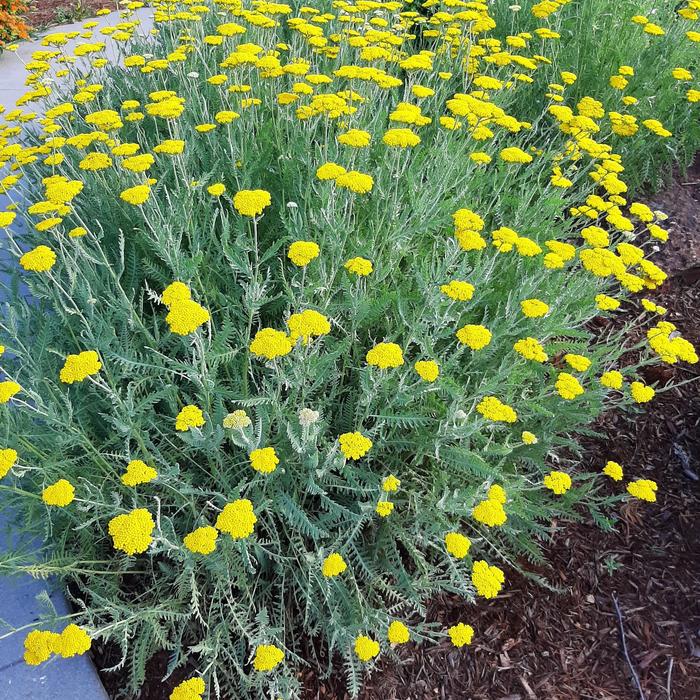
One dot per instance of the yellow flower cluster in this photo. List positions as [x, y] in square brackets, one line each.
[39, 645]
[8, 458]
[267, 657]
[131, 532]
[385, 355]
[264, 460]
[492, 408]
[558, 482]
[138, 472]
[354, 445]
[488, 580]
[59, 494]
[191, 689]
[202, 540]
[237, 519]
[333, 565]
[79, 367]
[185, 315]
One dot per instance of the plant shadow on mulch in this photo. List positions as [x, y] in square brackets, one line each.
[531, 643]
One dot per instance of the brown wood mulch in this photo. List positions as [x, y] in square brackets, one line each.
[533, 644]
[47, 13]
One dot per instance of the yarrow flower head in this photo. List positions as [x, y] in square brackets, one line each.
[354, 445]
[641, 393]
[557, 482]
[138, 472]
[251, 202]
[461, 634]
[391, 484]
[59, 494]
[189, 417]
[534, 308]
[428, 370]
[301, 253]
[643, 489]
[264, 460]
[457, 544]
[490, 512]
[385, 355]
[366, 648]
[237, 519]
[78, 367]
[8, 458]
[238, 420]
[384, 508]
[458, 290]
[475, 337]
[613, 470]
[531, 349]
[186, 316]
[488, 580]
[202, 540]
[398, 633]
[359, 266]
[267, 657]
[40, 259]
[191, 689]
[568, 387]
[307, 417]
[494, 409]
[270, 344]
[131, 533]
[333, 565]
[307, 325]
[8, 389]
[612, 379]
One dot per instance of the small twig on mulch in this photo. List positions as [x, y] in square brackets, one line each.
[624, 648]
[668, 679]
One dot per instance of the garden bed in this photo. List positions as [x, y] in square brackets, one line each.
[535, 643]
[47, 13]
[306, 396]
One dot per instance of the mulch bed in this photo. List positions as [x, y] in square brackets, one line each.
[531, 643]
[46, 13]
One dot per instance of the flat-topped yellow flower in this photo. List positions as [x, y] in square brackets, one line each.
[59, 494]
[251, 202]
[131, 532]
[237, 519]
[385, 356]
[78, 367]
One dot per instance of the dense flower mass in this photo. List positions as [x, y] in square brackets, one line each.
[316, 306]
[354, 445]
[385, 355]
[237, 519]
[131, 532]
[267, 656]
[59, 494]
[79, 367]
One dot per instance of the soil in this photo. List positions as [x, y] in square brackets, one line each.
[46, 13]
[531, 643]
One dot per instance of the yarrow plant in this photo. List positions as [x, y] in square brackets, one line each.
[308, 335]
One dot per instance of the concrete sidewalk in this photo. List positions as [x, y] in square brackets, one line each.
[22, 598]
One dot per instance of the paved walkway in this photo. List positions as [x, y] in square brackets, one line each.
[23, 599]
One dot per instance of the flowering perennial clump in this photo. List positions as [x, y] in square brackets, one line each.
[314, 293]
